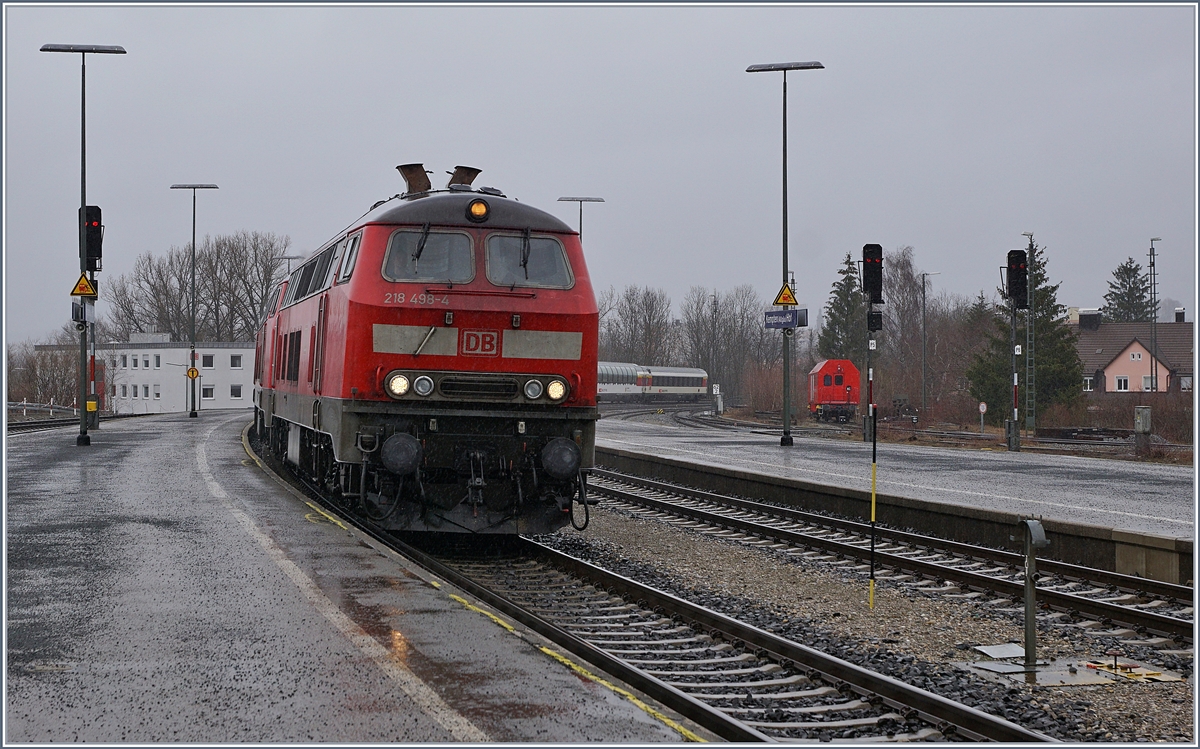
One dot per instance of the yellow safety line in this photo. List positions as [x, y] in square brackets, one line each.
[688, 735]
[331, 518]
[623, 692]
[488, 614]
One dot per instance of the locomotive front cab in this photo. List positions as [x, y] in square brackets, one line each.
[466, 379]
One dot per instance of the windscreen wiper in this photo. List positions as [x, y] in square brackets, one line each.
[421, 244]
[525, 253]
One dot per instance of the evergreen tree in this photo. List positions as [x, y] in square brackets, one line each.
[1128, 297]
[1059, 373]
[844, 328]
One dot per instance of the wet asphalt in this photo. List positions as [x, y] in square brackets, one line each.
[1132, 496]
[162, 587]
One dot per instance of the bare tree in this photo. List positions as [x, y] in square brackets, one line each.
[641, 329]
[234, 274]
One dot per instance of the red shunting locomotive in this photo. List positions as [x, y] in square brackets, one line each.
[433, 366]
[833, 390]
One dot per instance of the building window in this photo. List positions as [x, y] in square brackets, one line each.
[135, 361]
[157, 394]
[235, 361]
[1185, 383]
[146, 361]
[1147, 383]
[135, 392]
[157, 361]
[206, 361]
[1122, 384]
[1087, 384]
[1135, 356]
[235, 391]
[124, 361]
[206, 392]
[124, 391]
[145, 391]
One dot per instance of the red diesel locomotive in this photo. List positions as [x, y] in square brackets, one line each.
[433, 366]
[833, 390]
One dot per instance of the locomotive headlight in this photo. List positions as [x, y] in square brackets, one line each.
[423, 385]
[396, 385]
[556, 390]
[533, 390]
[477, 210]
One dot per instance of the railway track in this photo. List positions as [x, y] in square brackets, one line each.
[37, 425]
[735, 680]
[1106, 602]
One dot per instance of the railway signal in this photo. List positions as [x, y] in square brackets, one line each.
[1018, 278]
[93, 231]
[873, 273]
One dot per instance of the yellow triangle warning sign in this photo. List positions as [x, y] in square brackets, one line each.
[785, 297]
[83, 287]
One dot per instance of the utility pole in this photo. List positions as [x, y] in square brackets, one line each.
[1153, 319]
[1030, 364]
[924, 276]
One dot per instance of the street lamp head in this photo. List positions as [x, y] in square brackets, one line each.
[195, 187]
[581, 200]
[1027, 234]
[1155, 239]
[771, 66]
[96, 49]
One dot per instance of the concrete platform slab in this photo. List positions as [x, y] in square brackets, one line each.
[1145, 498]
[161, 587]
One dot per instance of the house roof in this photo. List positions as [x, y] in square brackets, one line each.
[1097, 348]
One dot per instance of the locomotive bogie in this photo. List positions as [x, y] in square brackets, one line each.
[495, 471]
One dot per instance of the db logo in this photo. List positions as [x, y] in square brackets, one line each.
[480, 343]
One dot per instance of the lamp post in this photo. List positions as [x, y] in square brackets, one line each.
[784, 67]
[192, 354]
[581, 201]
[82, 50]
[923, 369]
[1153, 318]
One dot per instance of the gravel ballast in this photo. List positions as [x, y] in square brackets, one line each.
[914, 637]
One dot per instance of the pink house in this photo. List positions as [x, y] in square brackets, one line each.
[1117, 357]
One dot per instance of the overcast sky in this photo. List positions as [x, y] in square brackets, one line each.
[951, 129]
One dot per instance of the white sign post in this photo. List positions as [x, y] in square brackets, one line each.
[982, 411]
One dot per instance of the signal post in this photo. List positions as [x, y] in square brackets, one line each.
[1017, 277]
[873, 290]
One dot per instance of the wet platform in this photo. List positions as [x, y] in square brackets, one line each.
[163, 588]
[1145, 498]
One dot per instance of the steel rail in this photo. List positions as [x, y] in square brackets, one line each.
[1169, 626]
[999, 556]
[933, 708]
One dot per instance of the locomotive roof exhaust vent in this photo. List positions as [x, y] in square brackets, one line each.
[462, 175]
[415, 177]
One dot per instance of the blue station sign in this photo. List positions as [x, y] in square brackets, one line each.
[786, 318]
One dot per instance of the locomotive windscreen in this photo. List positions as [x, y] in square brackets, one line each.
[542, 263]
[444, 257]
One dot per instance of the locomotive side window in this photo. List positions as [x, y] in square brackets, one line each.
[440, 257]
[837, 379]
[348, 258]
[826, 380]
[518, 260]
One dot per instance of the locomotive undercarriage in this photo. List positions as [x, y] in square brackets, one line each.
[451, 470]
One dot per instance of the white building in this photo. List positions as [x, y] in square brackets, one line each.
[149, 374]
